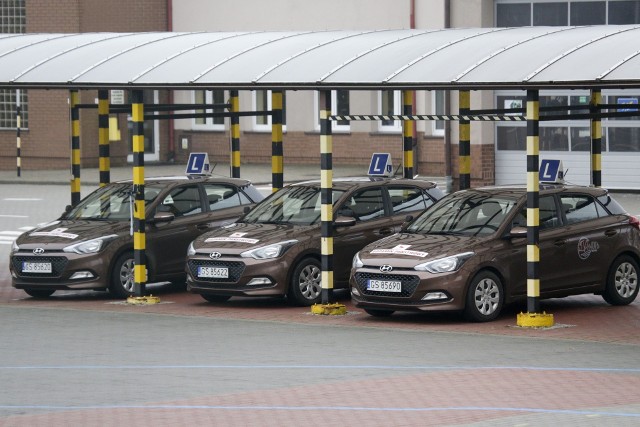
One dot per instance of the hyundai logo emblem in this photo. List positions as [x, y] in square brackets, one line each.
[386, 268]
[38, 251]
[215, 255]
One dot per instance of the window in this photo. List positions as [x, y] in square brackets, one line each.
[519, 13]
[221, 196]
[408, 200]
[553, 14]
[182, 201]
[364, 205]
[513, 15]
[437, 105]
[262, 102]
[624, 12]
[13, 21]
[209, 97]
[588, 13]
[579, 208]
[339, 106]
[390, 104]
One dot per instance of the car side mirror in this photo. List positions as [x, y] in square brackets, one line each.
[163, 217]
[518, 231]
[246, 209]
[344, 221]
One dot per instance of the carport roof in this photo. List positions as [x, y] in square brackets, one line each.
[460, 58]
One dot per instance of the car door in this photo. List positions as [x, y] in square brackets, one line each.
[372, 223]
[589, 234]
[406, 200]
[168, 241]
[225, 204]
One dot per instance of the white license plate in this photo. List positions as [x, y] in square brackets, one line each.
[213, 272]
[36, 267]
[384, 285]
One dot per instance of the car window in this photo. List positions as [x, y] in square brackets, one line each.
[182, 201]
[579, 208]
[250, 194]
[611, 205]
[408, 199]
[221, 196]
[548, 214]
[364, 205]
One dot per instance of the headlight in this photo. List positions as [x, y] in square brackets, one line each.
[271, 251]
[357, 262]
[445, 265]
[90, 246]
[191, 250]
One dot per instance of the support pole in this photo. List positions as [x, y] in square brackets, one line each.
[596, 139]
[18, 126]
[407, 132]
[277, 180]
[74, 100]
[103, 137]
[533, 317]
[235, 134]
[326, 190]
[139, 241]
[464, 155]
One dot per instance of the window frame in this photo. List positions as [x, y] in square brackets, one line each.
[209, 121]
[335, 127]
[260, 127]
[396, 126]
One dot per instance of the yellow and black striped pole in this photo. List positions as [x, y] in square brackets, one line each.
[74, 100]
[407, 133]
[326, 190]
[464, 149]
[18, 138]
[596, 139]
[104, 161]
[139, 240]
[277, 177]
[235, 134]
[533, 317]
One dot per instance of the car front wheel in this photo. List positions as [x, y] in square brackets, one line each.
[122, 280]
[305, 287]
[484, 297]
[622, 281]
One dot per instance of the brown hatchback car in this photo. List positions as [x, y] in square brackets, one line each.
[274, 250]
[469, 253]
[90, 246]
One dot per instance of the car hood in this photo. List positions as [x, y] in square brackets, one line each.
[239, 237]
[409, 250]
[62, 233]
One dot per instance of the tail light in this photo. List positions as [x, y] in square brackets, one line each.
[634, 222]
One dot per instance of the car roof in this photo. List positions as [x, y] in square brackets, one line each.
[346, 183]
[545, 188]
[192, 178]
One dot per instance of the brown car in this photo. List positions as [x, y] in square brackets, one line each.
[90, 246]
[469, 253]
[274, 250]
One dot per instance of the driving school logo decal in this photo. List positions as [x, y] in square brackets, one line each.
[586, 248]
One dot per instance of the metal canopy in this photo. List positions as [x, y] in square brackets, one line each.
[461, 58]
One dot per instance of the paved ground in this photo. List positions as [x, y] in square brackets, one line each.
[83, 358]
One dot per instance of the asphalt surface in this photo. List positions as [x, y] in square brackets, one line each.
[84, 358]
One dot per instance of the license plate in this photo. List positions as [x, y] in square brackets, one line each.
[213, 272]
[36, 267]
[384, 285]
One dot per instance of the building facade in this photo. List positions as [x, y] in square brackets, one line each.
[497, 149]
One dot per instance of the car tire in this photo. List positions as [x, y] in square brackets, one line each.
[378, 313]
[485, 297]
[215, 298]
[40, 293]
[122, 280]
[305, 288]
[622, 281]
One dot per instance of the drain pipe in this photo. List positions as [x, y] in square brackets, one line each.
[447, 110]
[172, 144]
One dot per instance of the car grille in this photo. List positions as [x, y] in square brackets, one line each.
[58, 264]
[409, 284]
[236, 269]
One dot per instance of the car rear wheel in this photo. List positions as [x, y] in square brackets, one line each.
[484, 297]
[122, 279]
[40, 293]
[378, 313]
[622, 281]
[215, 298]
[306, 287]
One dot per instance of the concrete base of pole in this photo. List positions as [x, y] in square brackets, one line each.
[535, 320]
[329, 309]
[148, 300]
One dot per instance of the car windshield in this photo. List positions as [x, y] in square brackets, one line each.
[111, 202]
[465, 213]
[298, 205]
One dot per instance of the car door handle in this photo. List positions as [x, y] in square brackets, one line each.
[203, 226]
[385, 231]
[560, 242]
[610, 233]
